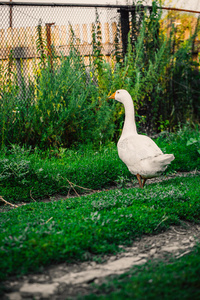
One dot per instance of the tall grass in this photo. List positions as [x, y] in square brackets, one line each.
[66, 106]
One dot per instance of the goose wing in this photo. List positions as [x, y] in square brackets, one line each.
[136, 148]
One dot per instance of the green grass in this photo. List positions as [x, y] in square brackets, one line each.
[47, 174]
[26, 175]
[175, 280]
[39, 234]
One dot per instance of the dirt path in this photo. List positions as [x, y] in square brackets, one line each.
[63, 281]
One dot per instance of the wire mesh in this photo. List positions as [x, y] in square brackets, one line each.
[61, 26]
[18, 32]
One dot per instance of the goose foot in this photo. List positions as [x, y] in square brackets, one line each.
[139, 180]
[144, 180]
[141, 184]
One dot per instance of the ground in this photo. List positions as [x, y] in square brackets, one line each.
[66, 281]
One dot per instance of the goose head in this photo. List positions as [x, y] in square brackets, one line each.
[121, 96]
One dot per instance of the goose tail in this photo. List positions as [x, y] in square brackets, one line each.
[164, 159]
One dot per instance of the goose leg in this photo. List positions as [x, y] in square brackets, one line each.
[139, 180]
[144, 180]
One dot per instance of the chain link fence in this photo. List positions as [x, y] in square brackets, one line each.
[62, 25]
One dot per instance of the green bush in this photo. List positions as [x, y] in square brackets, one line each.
[184, 145]
[65, 109]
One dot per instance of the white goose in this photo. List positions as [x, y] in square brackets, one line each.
[139, 152]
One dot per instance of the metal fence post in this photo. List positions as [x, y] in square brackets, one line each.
[125, 27]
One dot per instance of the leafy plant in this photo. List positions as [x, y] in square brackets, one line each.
[97, 46]
[41, 45]
[16, 166]
[193, 141]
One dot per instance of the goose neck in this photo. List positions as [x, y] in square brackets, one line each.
[129, 122]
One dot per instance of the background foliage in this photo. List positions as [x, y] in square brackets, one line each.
[67, 105]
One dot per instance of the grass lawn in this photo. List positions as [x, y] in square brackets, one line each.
[39, 234]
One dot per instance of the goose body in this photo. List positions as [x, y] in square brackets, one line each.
[139, 152]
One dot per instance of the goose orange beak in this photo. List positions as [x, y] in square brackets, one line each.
[112, 96]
